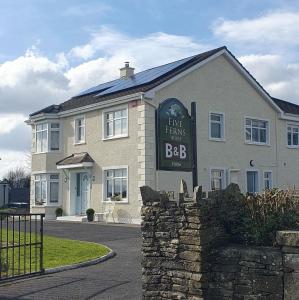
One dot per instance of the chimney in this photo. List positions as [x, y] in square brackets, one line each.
[126, 71]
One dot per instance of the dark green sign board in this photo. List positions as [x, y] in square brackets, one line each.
[174, 136]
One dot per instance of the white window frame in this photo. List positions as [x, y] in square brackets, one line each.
[76, 141]
[36, 135]
[258, 179]
[224, 181]
[104, 183]
[49, 132]
[56, 180]
[271, 178]
[251, 142]
[104, 122]
[292, 125]
[48, 180]
[50, 136]
[222, 124]
[35, 182]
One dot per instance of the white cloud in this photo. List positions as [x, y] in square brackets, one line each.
[275, 29]
[8, 122]
[277, 76]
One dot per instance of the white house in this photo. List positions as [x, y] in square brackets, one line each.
[99, 147]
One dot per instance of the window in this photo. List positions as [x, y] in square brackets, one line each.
[40, 185]
[41, 135]
[46, 188]
[217, 179]
[80, 130]
[54, 188]
[257, 131]
[293, 135]
[116, 181]
[217, 126]
[55, 136]
[252, 182]
[47, 137]
[267, 180]
[116, 123]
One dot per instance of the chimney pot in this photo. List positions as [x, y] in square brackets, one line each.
[126, 71]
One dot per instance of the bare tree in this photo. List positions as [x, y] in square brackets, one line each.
[18, 178]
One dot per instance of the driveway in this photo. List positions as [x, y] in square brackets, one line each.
[117, 278]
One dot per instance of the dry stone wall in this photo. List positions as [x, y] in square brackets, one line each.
[186, 254]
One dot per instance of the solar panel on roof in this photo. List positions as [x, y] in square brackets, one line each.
[138, 79]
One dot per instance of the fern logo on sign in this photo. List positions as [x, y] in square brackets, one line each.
[174, 145]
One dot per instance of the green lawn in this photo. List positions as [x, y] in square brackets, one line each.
[57, 252]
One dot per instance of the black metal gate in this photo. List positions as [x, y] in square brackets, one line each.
[21, 245]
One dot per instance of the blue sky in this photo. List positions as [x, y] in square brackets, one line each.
[51, 50]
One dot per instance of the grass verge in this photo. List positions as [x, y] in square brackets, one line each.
[23, 258]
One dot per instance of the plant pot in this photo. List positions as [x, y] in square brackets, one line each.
[90, 218]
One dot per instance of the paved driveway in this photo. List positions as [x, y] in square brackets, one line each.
[117, 278]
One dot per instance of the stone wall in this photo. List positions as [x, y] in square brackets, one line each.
[187, 255]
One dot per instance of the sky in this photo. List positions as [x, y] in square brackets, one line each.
[50, 50]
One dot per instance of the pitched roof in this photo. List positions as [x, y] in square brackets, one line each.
[140, 82]
[287, 107]
[75, 158]
[144, 81]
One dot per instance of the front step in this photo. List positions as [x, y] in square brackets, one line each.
[72, 219]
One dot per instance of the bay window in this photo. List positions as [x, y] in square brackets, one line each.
[47, 137]
[46, 189]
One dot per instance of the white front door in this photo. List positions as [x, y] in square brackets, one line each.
[82, 192]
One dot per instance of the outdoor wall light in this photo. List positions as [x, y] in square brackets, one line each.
[251, 163]
[65, 179]
[93, 178]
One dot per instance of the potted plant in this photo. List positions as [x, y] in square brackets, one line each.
[90, 214]
[116, 198]
[58, 212]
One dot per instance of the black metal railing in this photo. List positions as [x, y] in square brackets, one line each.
[21, 245]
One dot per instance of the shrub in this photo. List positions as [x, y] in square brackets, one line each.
[254, 219]
[59, 212]
[90, 213]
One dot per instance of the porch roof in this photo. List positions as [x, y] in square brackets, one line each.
[76, 160]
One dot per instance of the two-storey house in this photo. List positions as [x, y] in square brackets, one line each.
[99, 147]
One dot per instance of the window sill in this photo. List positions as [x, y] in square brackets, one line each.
[216, 140]
[79, 143]
[293, 147]
[258, 144]
[115, 137]
[116, 202]
[46, 152]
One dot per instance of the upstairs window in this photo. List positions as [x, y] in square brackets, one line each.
[293, 135]
[257, 131]
[217, 126]
[116, 123]
[47, 137]
[80, 130]
[41, 135]
[55, 136]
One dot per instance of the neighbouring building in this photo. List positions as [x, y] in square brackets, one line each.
[99, 147]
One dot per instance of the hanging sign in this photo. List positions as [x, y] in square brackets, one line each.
[174, 136]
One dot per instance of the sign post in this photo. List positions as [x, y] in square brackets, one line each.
[174, 137]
